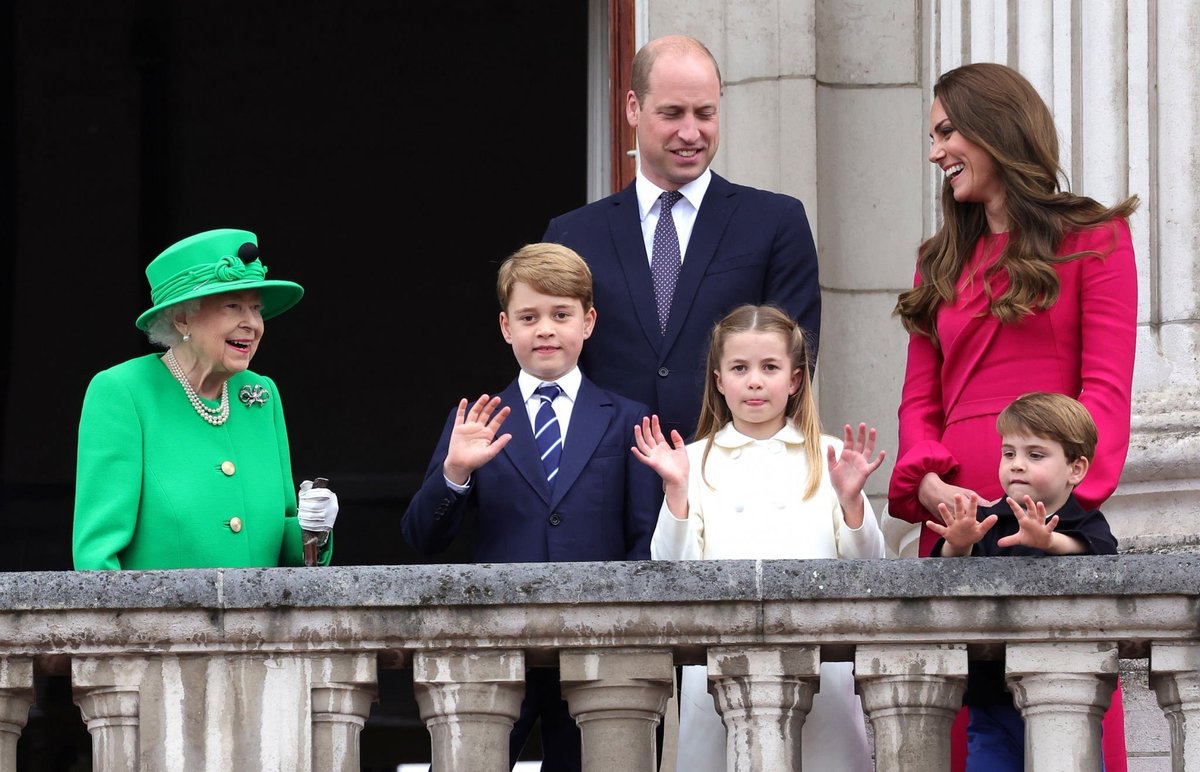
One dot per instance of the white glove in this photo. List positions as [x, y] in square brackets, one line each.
[318, 507]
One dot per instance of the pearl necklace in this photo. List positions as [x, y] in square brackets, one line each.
[214, 415]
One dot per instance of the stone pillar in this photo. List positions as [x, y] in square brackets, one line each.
[1157, 504]
[617, 697]
[767, 54]
[868, 97]
[469, 702]
[763, 696]
[1175, 678]
[1062, 690]
[344, 687]
[16, 695]
[911, 694]
[107, 691]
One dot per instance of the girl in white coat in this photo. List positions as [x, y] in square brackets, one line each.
[761, 481]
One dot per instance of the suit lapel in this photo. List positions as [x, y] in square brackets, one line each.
[625, 224]
[719, 202]
[590, 417]
[522, 450]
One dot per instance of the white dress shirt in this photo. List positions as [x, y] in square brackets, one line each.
[684, 211]
[562, 406]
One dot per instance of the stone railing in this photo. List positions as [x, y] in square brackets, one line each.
[276, 669]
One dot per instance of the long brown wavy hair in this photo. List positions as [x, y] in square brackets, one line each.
[996, 108]
[801, 407]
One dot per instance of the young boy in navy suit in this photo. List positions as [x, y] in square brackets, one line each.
[560, 484]
[1047, 443]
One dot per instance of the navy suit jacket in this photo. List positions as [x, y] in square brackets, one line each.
[604, 504]
[747, 246]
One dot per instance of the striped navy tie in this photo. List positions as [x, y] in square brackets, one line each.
[546, 432]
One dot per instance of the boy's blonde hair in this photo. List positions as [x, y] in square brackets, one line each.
[1052, 417]
[801, 407]
[551, 269]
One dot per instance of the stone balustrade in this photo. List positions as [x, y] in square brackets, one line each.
[276, 669]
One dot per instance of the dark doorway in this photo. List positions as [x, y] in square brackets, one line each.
[388, 155]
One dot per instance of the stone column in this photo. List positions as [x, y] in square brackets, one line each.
[1062, 690]
[107, 691]
[344, 687]
[871, 176]
[1175, 678]
[763, 696]
[767, 54]
[911, 694]
[617, 697]
[469, 702]
[16, 695]
[1157, 504]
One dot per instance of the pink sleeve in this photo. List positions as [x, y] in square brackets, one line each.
[922, 420]
[1108, 335]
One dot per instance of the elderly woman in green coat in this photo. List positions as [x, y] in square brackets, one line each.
[183, 456]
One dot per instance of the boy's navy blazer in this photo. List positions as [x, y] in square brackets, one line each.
[747, 246]
[603, 506]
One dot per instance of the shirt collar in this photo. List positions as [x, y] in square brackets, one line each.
[648, 192]
[570, 383]
[729, 437]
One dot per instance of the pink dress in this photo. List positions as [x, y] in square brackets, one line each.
[1083, 346]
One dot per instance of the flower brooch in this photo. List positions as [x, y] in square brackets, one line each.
[255, 394]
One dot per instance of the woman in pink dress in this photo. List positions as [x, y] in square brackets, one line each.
[1025, 287]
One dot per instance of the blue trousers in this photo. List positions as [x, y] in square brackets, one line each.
[562, 749]
[995, 738]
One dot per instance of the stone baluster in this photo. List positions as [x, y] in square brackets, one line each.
[107, 691]
[1062, 690]
[16, 695]
[1175, 678]
[469, 701]
[763, 695]
[911, 693]
[344, 687]
[617, 697]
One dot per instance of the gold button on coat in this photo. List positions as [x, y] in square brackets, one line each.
[235, 525]
[228, 468]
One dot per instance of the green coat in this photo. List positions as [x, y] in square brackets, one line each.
[158, 487]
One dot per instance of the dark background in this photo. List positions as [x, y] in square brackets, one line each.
[388, 155]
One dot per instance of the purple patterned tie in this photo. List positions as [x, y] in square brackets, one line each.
[665, 257]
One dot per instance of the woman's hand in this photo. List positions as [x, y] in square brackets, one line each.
[317, 507]
[934, 493]
[849, 471]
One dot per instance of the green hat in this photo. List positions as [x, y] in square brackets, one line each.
[223, 260]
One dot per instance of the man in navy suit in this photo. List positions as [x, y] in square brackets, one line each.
[561, 484]
[735, 245]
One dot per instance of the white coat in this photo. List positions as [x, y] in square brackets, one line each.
[748, 505]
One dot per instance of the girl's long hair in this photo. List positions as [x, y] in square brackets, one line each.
[801, 407]
[996, 108]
